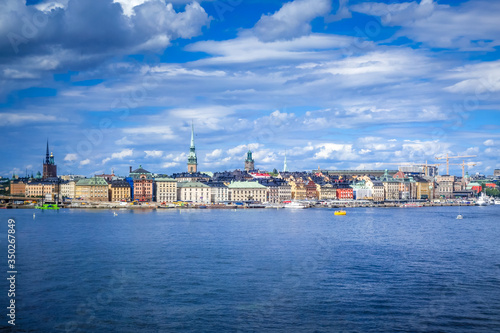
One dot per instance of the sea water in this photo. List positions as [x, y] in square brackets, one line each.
[255, 270]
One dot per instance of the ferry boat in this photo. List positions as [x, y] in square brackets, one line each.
[411, 204]
[483, 200]
[340, 212]
[295, 205]
[48, 206]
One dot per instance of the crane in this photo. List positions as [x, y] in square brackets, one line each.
[463, 164]
[448, 160]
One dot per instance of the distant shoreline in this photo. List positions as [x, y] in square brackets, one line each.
[335, 205]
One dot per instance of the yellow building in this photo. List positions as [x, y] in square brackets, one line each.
[119, 190]
[41, 188]
[92, 189]
[326, 191]
[299, 191]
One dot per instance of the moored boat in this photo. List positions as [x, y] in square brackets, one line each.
[483, 200]
[340, 212]
[295, 205]
[48, 206]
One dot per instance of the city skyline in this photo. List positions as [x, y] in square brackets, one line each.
[335, 84]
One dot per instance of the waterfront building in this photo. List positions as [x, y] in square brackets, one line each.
[326, 191]
[119, 190]
[166, 189]
[445, 186]
[249, 162]
[391, 189]
[243, 191]
[92, 189]
[68, 189]
[143, 184]
[311, 191]
[192, 160]
[475, 187]
[423, 188]
[361, 191]
[284, 191]
[298, 189]
[17, 188]
[193, 192]
[344, 192]
[49, 166]
[378, 189]
[42, 188]
[218, 192]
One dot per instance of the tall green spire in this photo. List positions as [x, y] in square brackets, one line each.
[192, 160]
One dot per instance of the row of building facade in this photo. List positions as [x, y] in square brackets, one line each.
[144, 186]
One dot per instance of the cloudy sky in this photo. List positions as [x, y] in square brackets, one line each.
[335, 83]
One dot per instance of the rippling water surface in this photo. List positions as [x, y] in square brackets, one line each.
[373, 270]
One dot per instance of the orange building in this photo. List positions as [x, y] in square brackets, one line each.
[143, 184]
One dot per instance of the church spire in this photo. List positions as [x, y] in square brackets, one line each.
[192, 160]
[47, 156]
[192, 135]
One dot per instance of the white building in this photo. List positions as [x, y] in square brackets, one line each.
[194, 192]
[243, 191]
[68, 189]
[166, 190]
[218, 192]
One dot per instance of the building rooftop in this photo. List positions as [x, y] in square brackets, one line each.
[191, 184]
[92, 182]
[249, 185]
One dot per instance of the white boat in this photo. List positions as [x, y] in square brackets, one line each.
[483, 200]
[459, 217]
[497, 202]
[296, 205]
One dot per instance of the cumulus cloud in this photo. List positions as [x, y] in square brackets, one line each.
[85, 162]
[79, 34]
[153, 153]
[457, 25]
[292, 20]
[71, 157]
[335, 151]
[120, 155]
[489, 143]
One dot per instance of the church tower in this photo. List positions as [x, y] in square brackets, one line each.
[249, 162]
[192, 160]
[49, 166]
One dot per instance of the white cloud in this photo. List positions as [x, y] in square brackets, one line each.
[85, 162]
[120, 155]
[457, 25]
[215, 154]
[292, 20]
[169, 165]
[335, 151]
[154, 153]
[489, 143]
[13, 119]
[71, 157]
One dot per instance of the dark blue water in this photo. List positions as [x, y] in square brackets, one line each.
[374, 270]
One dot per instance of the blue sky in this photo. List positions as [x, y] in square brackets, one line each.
[336, 84]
